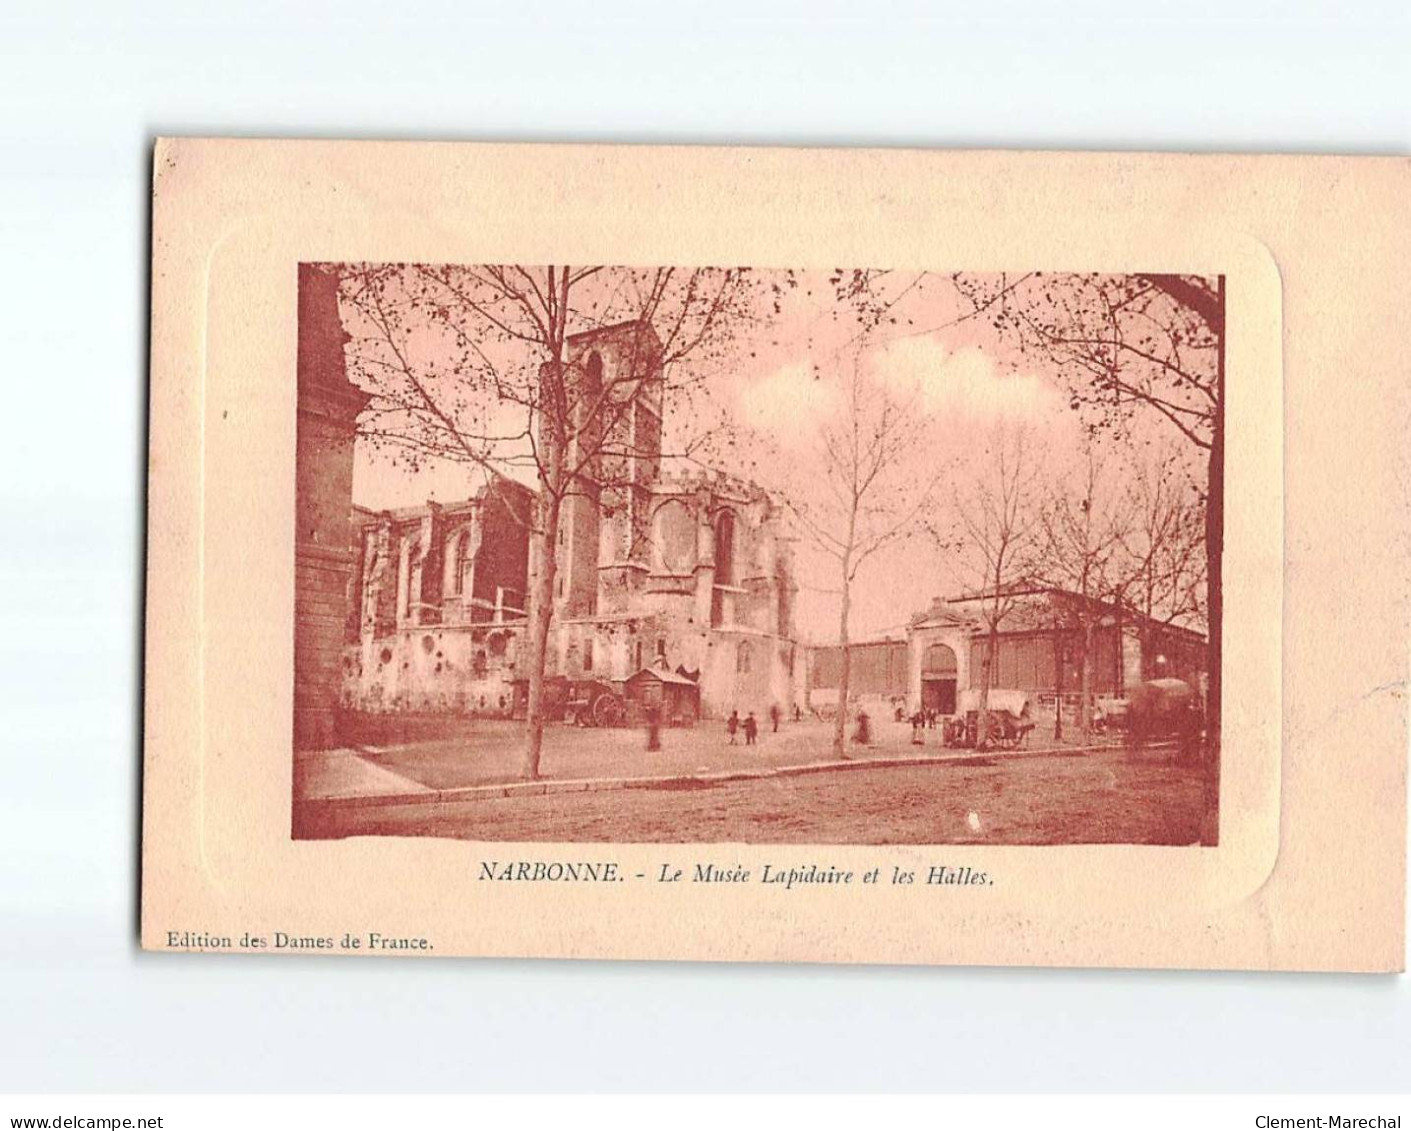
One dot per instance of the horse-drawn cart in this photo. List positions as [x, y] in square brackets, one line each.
[1162, 711]
[594, 703]
[1009, 725]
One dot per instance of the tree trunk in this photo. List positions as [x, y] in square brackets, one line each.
[840, 724]
[543, 551]
[982, 720]
[1085, 684]
[1214, 550]
[543, 567]
[544, 539]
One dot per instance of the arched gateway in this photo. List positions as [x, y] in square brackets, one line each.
[938, 676]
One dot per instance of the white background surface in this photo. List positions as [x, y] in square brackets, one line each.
[84, 90]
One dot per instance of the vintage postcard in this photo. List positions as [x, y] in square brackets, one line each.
[776, 555]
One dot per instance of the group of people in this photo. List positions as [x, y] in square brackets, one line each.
[922, 719]
[749, 725]
[734, 725]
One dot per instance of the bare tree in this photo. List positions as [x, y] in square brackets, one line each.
[1126, 344]
[999, 516]
[1083, 532]
[473, 365]
[1164, 545]
[1148, 344]
[867, 490]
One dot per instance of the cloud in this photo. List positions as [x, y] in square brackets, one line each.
[788, 404]
[964, 383]
[960, 387]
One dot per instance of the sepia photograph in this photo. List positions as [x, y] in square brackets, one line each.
[568, 551]
[757, 555]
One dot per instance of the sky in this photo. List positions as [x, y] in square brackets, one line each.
[781, 382]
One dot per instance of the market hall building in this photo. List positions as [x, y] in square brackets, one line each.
[1039, 649]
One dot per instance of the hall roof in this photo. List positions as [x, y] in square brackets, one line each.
[1030, 608]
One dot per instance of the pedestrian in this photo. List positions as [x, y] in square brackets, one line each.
[774, 714]
[751, 729]
[918, 723]
[732, 725]
[653, 726]
[863, 735]
[798, 713]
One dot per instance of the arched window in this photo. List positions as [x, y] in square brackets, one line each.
[368, 602]
[590, 388]
[784, 615]
[674, 538]
[725, 548]
[583, 385]
[409, 583]
[724, 565]
[455, 563]
[744, 657]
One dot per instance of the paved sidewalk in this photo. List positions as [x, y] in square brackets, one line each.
[340, 775]
[485, 764]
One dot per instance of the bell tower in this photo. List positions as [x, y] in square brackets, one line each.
[615, 375]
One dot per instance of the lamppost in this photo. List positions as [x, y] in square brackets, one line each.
[1060, 657]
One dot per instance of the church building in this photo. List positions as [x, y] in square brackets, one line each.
[687, 573]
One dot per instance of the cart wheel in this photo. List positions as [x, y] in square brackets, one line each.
[608, 711]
